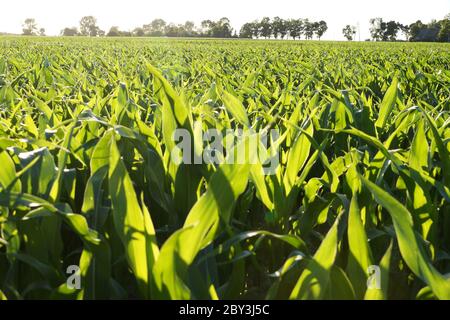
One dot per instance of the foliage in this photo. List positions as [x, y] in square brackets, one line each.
[87, 178]
[349, 32]
[435, 31]
[30, 27]
[88, 27]
[278, 27]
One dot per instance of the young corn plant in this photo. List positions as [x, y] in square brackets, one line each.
[90, 188]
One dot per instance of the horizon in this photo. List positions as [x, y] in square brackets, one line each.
[138, 12]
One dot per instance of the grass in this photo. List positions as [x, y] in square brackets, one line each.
[88, 180]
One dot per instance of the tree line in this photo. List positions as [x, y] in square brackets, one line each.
[264, 28]
[281, 28]
[30, 28]
[380, 30]
[276, 28]
[435, 31]
[156, 28]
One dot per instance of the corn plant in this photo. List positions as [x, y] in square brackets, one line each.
[87, 178]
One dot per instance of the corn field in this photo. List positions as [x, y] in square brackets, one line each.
[89, 189]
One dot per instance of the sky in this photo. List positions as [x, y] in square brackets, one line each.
[54, 15]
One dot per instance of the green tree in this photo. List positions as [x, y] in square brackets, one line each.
[265, 27]
[415, 29]
[283, 29]
[320, 28]
[256, 30]
[224, 29]
[207, 27]
[247, 30]
[189, 29]
[434, 31]
[217, 29]
[88, 27]
[29, 27]
[309, 29]
[376, 28]
[69, 32]
[295, 28]
[172, 30]
[390, 31]
[405, 30]
[156, 28]
[42, 32]
[113, 32]
[444, 32]
[279, 28]
[138, 32]
[349, 32]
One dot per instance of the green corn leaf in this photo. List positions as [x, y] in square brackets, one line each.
[442, 150]
[95, 270]
[315, 279]
[8, 174]
[387, 104]
[171, 99]
[410, 246]
[359, 258]
[298, 155]
[235, 107]
[62, 160]
[129, 220]
[340, 286]
[200, 227]
[382, 292]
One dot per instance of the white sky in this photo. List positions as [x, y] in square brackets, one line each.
[54, 15]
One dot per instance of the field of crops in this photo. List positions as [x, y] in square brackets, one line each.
[358, 206]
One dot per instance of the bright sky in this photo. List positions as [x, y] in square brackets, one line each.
[54, 15]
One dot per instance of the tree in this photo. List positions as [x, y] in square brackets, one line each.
[349, 32]
[384, 31]
[189, 29]
[308, 29]
[156, 28]
[279, 28]
[320, 28]
[138, 32]
[217, 29]
[295, 28]
[414, 30]
[405, 30]
[376, 31]
[69, 32]
[207, 26]
[247, 30]
[419, 31]
[29, 27]
[444, 32]
[172, 30]
[223, 29]
[42, 32]
[88, 27]
[113, 32]
[283, 29]
[255, 31]
[99, 32]
[265, 27]
[390, 31]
